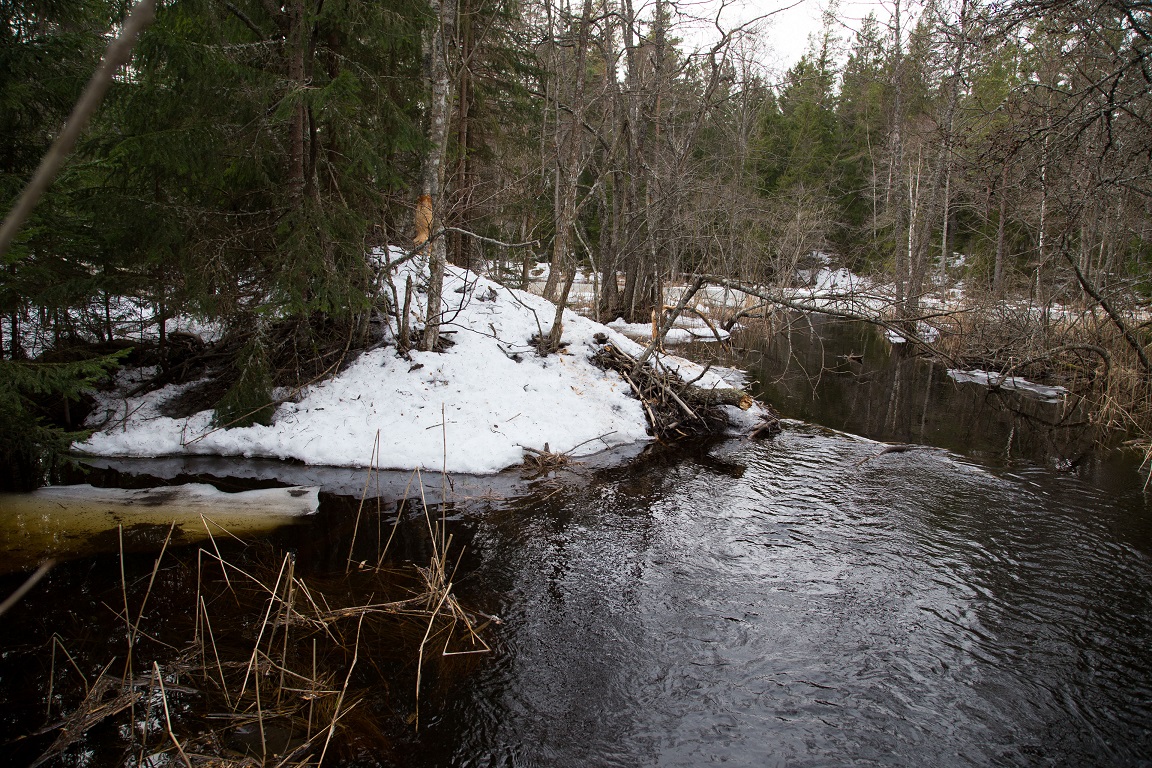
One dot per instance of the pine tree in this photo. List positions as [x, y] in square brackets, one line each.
[861, 113]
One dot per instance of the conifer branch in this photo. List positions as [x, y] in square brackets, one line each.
[118, 53]
[245, 19]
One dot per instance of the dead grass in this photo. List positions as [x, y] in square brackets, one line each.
[277, 669]
[538, 462]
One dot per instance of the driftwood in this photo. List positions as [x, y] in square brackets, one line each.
[677, 409]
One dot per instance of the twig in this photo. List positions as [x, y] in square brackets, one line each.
[676, 398]
[483, 239]
[26, 587]
[216, 653]
[598, 437]
[372, 463]
[167, 717]
[151, 581]
[643, 401]
[707, 368]
[343, 691]
[263, 625]
[447, 589]
[212, 539]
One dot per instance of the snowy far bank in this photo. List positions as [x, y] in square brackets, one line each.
[474, 408]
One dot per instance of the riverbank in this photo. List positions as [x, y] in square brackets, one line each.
[477, 407]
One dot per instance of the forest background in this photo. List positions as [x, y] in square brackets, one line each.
[254, 152]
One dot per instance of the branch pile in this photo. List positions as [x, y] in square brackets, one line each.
[677, 409]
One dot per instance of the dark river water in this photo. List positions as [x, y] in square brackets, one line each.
[807, 600]
[783, 603]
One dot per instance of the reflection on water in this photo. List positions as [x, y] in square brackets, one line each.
[847, 376]
[914, 609]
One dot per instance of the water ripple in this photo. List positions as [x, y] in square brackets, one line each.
[819, 607]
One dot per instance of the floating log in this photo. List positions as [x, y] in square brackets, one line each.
[82, 519]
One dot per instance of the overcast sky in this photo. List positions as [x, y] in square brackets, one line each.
[787, 31]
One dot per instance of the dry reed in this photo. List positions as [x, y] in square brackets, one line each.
[272, 673]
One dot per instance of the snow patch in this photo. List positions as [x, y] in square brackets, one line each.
[685, 329]
[472, 409]
[926, 332]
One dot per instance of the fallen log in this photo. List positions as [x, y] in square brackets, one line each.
[80, 519]
[736, 397]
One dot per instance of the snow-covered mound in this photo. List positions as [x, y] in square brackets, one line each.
[473, 408]
[685, 329]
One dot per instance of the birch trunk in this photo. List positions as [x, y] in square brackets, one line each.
[431, 204]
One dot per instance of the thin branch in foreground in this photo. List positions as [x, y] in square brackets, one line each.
[118, 54]
[26, 587]
[494, 241]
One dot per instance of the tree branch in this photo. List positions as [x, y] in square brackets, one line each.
[1113, 315]
[494, 241]
[247, 21]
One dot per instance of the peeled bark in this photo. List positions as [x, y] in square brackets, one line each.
[432, 172]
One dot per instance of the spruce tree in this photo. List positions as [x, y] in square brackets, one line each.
[247, 169]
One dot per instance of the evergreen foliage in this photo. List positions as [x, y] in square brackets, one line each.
[31, 445]
[249, 400]
[241, 168]
[48, 50]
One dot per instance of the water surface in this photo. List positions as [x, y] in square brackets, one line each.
[800, 603]
[984, 599]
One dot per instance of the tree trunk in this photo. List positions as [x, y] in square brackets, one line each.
[939, 185]
[461, 243]
[432, 172]
[893, 195]
[568, 175]
[998, 267]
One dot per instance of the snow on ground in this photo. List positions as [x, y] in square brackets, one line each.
[1043, 392]
[130, 318]
[473, 408]
[685, 329]
[824, 281]
[925, 331]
